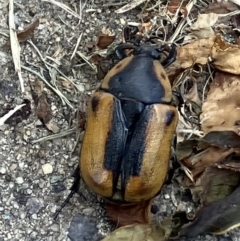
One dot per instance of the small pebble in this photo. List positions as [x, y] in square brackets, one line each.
[21, 165]
[166, 196]
[47, 168]
[88, 211]
[56, 178]
[34, 205]
[13, 167]
[55, 228]
[19, 180]
[42, 153]
[3, 170]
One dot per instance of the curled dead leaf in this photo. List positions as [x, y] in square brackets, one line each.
[223, 139]
[28, 31]
[197, 52]
[139, 232]
[216, 184]
[221, 109]
[104, 41]
[218, 218]
[226, 56]
[129, 214]
[197, 163]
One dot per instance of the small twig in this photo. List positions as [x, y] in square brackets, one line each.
[81, 7]
[206, 84]
[86, 60]
[130, 6]
[4, 32]
[9, 114]
[51, 65]
[55, 136]
[64, 7]
[62, 97]
[76, 47]
[192, 132]
[15, 47]
[113, 4]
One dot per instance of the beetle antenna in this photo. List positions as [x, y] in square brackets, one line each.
[74, 188]
[171, 56]
[180, 105]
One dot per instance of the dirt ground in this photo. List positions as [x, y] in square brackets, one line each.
[30, 190]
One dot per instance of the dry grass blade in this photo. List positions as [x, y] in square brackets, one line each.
[48, 65]
[64, 7]
[87, 61]
[181, 24]
[130, 6]
[236, 2]
[76, 47]
[55, 136]
[15, 47]
[4, 32]
[9, 114]
[60, 94]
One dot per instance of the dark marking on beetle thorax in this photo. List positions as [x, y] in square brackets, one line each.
[138, 81]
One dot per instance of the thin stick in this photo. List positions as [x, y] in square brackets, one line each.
[15, 47]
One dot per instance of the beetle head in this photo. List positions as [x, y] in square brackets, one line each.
[152, 51]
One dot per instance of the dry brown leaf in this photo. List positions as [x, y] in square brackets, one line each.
[226, 56]
[139, 232]
[202, 28]
[104, 41]
[218, 218]
[28, 31]
[205, 21]
[177, 5]
[196, 52]
[222, 7]
[198, 163]
[221, 109]
[215, 184]
[43, 111]
[129, 214]
[225, 139]
[231, 162]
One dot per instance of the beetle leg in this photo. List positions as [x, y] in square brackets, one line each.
[120, 50]
[129, 33]
[171, 57]
[74, 189]
[180, 105]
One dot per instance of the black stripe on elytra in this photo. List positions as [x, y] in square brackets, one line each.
[135, 148]
[115, 144]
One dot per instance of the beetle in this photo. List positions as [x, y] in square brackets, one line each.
[131, 123]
